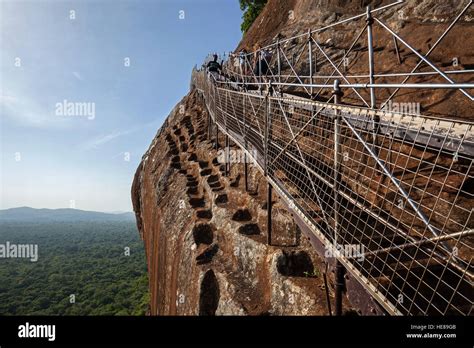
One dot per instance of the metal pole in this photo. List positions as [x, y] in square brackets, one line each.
[217, 137]
[259, 54]
[370, 45]
[431, 49]
[279, 63]
[337, 179]
[266, 131]
[246, 168]
[269, 214]
[227, 155]
[373, 102]
[310, 57]
[339, 288]
[395, 42]
[209, 126]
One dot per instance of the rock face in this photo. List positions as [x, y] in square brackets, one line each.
[205, 235]
[428, 19]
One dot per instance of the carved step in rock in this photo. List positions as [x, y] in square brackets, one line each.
[221, 199]
[295, 264]
[250, 229]
[242, 215]
[206, 172]
[209, 294]
[176, 165]
[193, 190]
[197, 202]
[207, 255]
[213, 179]
[235, 182]
[192, 183]
[202, 234]
[203, 164]
[204, 214]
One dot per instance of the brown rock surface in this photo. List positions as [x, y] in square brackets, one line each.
[208, 255]
[205, 236]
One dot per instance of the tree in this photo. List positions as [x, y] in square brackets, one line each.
[252, 9]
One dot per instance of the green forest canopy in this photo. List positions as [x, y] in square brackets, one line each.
[252, 9]
[84, 259]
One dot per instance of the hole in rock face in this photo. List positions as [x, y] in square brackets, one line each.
[182, 138]
[242, 215]
[207, 255]
[213, 178]
[222, 199]
[249, 229]
[235, 182]
[209, 294]
[204, 214]
[176, 165]
[197, 202]
[184, 147]
[215, 185]
[173, 151]
[215, 161]
[175, 159]
[467, 188]
[191, 183]
[295, 264]
[192, 157]
[203, 164]
[192, 190]
[206, 172]
[202, 234]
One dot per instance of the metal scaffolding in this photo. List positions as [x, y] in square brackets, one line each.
[388, 194]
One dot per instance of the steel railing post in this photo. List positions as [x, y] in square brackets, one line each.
[227, 155]
[269, 214]
[279, 64]
[373, 102]
[246, 175]
[310, 57]
[337, 179]
[266, 131]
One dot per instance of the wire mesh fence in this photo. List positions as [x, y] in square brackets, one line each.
[392, 201]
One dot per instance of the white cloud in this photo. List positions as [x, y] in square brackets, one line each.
[27, 112]
[103, 139]
[78, 76]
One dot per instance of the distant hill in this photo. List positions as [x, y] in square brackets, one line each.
[40, 215]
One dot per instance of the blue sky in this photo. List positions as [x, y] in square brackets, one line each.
[57, 52]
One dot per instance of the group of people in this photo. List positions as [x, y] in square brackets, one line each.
[245, 64]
